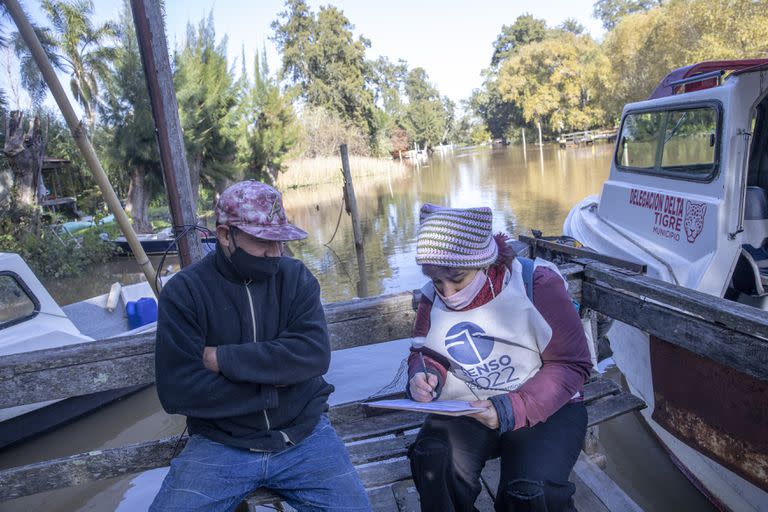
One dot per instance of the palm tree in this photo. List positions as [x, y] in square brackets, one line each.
[85, 50]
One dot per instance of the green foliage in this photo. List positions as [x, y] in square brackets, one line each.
[50, 256]
[126, 138]
[525, 30]
[324, 62]
[553, 82]
[267, 126]
[426, 116]
[206, 94]
[645, 46]
[498, 114]
[610, 12]
[86, 51]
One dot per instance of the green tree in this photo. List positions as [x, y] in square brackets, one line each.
[553, 82]
[267, 125]
[525, 30]
[610, 12]
[498, 114]
[86, 50]
[425, 116]
[206, 92]
[645, 46]
[324, 62]
[128, 139]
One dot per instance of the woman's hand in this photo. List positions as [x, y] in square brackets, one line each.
[489, 417]
[422, 386]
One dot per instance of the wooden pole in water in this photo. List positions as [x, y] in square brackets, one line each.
[351, 202]
[150, 32]
[81, 139]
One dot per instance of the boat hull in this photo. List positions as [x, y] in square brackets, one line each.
[709, 417]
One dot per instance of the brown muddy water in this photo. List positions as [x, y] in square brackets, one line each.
[532, 189]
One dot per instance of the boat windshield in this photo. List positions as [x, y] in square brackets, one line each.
[16, 303]
[679, 143]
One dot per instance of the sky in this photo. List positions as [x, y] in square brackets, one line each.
[451, 39]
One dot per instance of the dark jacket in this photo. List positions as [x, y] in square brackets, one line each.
[273, 350]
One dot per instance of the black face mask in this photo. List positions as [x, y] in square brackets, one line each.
[255, 268]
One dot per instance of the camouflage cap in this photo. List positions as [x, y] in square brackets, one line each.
[257, 209]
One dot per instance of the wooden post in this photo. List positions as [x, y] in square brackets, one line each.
[349, 197]
[150, 32]
[525, 151]
[81, 139]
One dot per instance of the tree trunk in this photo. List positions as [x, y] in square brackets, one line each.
[138, 200]
[25, 157]
[195, 167]
[538, 125]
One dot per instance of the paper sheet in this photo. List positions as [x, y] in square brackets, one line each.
[445, 407]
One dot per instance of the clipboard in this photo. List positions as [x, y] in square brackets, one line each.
[443, 407]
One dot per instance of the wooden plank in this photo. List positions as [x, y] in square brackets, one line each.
[379, 425]
[584, 499]
[361, 322]
[382, 499]
[85, 467]
[740, 351]
[739, 317]
[373, 451]
[609, 407]
[113, 462]
[406, 496]
[606, 490]
[547, 245]
[599, 387]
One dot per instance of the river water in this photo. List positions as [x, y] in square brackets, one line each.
[531, 189]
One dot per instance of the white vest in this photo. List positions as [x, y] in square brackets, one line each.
[493, 348]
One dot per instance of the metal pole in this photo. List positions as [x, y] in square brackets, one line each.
[349, 195]
[150, 32]
[81, 139]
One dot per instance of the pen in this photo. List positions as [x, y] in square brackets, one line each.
[424, 369]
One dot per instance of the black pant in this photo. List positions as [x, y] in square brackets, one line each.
[449, 453]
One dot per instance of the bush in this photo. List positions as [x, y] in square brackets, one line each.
[323, 131]
[50, 256]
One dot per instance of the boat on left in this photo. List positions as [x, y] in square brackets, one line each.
[30, 319]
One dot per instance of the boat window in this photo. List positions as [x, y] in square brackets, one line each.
[676, 143]
[640, 139]
[16, 303]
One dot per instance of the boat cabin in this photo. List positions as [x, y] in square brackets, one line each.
[688, 185]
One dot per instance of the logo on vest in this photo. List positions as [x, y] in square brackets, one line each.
[467, 343]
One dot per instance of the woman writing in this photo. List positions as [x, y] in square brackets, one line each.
[479, 337]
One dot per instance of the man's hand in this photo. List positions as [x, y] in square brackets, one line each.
[489, 417]
[422, 386]
[209, 359]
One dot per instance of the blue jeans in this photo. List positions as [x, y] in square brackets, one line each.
[316, 474]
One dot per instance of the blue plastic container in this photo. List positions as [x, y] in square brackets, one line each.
[141, 312]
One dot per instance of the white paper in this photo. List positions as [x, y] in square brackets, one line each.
[448, 407]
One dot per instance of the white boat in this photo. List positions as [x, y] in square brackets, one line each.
[31, 320]
[687, 195]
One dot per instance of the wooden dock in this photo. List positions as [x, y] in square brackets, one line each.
[586, 137]
[723, 331]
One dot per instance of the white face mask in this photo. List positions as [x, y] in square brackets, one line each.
[466, 295]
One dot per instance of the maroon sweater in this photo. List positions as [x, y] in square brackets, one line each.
[565, 362]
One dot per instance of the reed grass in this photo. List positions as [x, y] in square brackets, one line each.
[314, 171]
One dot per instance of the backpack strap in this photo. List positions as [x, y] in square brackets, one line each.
[527, 264]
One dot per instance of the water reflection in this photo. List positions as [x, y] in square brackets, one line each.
[521, 195]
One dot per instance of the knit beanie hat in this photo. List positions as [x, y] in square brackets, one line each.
[456, 237]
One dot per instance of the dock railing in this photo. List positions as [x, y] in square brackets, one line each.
[726, 332]
[586, 137]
